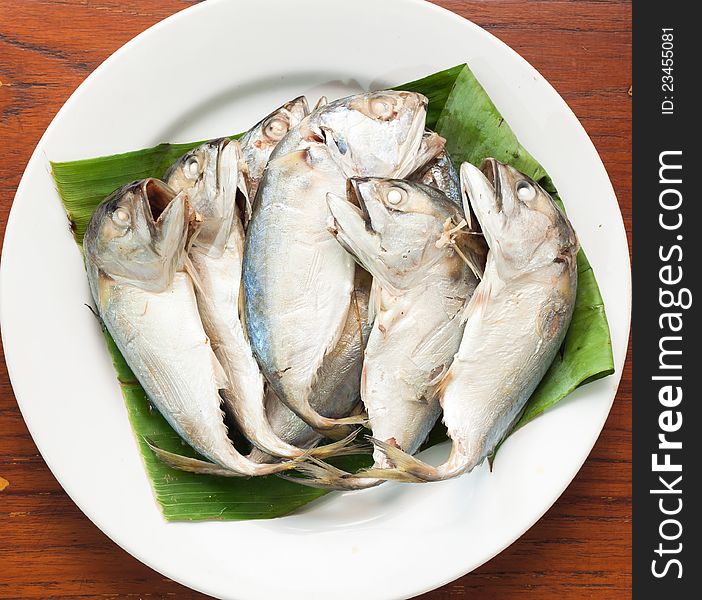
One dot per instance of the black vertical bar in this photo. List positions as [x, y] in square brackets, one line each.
[667, 472]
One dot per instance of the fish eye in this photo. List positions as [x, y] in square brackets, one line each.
[191, 167]
[395, 196]
[382, 107]
[121, 217]
[276, 129]
[525, 191]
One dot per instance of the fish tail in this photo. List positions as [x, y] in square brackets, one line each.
[407, 468]
[386, 475]
[360, 419]
[320, 475]
[343, 447]
[335, 429]
[329, 427]
[188, 464]
[247, 468]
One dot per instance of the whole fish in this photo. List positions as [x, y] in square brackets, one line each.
[297, 279]
[135, 247]
[339, 378]
[420, 291]
[515, 322]
[210, 174]
[258, 143]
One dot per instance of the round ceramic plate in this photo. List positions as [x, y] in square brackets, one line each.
[205, 72]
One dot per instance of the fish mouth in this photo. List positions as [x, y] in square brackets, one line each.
[490, 168]
[166, 216]
[219, 146]
[298, 105]
[349, 224]
[479, 191]
[423, 100]
[411, 146]
[355, 197]
[157, 196]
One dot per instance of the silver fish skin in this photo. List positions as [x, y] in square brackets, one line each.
[135, 250]
[211, 175]
[515, 322]
[258, 143]
[420, 289]
[441, 173]
[339, 378]
[297, 279]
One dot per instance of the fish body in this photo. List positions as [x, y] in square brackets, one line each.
[515, 322]
[216, 259]
[135, 248]
[297, 279]
[298, 285]
[339, 378]
[420, 289]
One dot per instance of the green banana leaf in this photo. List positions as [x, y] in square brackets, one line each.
[459, 110]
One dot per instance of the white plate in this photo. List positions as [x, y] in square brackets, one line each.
[212, 70]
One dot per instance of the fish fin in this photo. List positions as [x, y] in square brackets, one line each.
[342, 447]
[551, 321]
[360, 419]
[334, 428]
[387, 475]
[96, 314]
[477, 304]
[405, 463]
[104, 289]
[315, 477]
[190, 269]
[374, 301]
[220, 374]
[443, 384]
[357, 315]
[188, 464]
[246, 205]
[195, 465]
[320, 475]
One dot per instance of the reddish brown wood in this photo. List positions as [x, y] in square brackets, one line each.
[580, 549]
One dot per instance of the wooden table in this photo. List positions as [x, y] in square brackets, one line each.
[582, 546]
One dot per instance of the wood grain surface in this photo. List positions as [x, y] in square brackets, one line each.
[580, 549]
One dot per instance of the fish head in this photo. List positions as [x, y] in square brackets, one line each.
[391, 227]
[523, 226]
[138, 234]
[210, 174]
[268, 132]
[259, 142]
[375, 134]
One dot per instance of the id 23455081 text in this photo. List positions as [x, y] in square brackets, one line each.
[667, 79]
